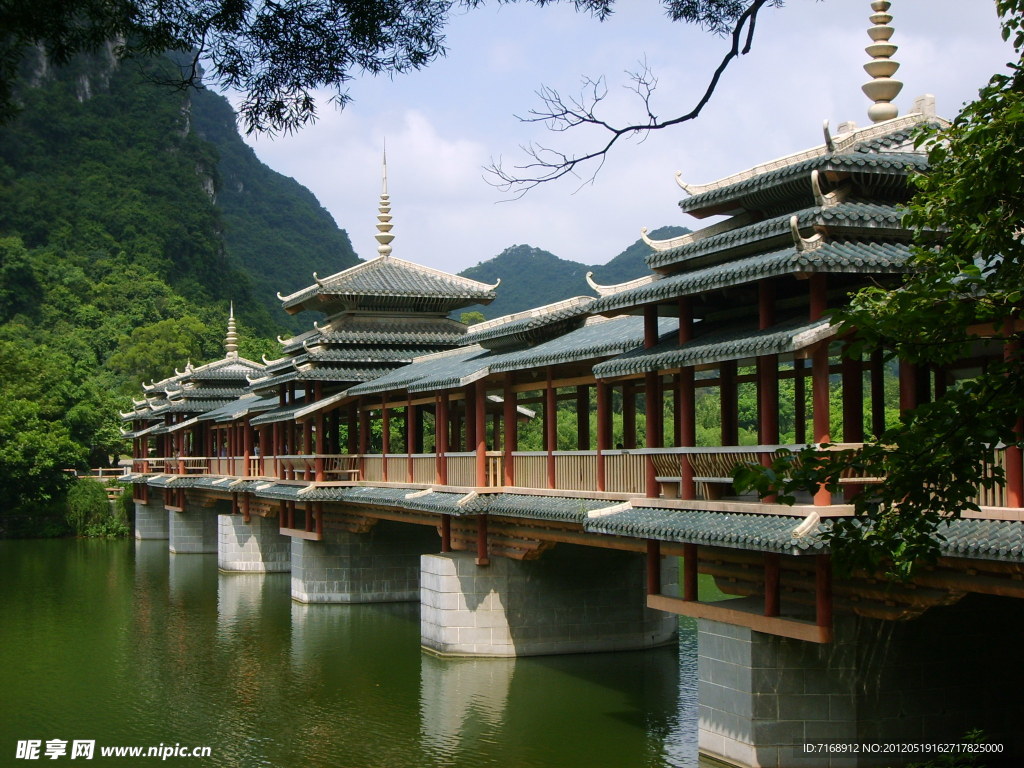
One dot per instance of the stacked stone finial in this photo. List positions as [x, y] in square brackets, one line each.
[231, 340]
[384, 236]
[883, 88]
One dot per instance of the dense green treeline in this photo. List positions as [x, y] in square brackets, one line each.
[113, 268]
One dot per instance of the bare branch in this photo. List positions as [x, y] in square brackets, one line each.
[545, 164]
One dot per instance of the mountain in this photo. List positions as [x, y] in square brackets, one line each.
[273, 227]
[131, 216]
[531, 277]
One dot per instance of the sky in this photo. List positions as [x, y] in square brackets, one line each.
[444, 124]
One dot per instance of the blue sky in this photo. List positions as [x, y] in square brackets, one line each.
[445, 123]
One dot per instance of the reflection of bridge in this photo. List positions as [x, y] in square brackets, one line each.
[379, 459]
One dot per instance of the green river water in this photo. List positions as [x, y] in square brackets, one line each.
[122, 644]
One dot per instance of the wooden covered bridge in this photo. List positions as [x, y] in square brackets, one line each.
[382, 457]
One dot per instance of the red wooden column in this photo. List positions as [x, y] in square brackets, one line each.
[480, 430]
[819, 378]
[767, 379]
[853, 409]
[653, 567]
[908, 386]
[441, 426]
[690, 572]
[352, 429]
[604, 430]
[583, 418]
[364, 435]
[510, 430]
[410, 437]
[550, 425]
[446, 533]
[247, 448]
[729, 389]
[877, 393]
[1014, 468]
[628, 415]
[799, 402]
[654, 408]
[321, 447]
[385, 437]
[686, 418]
[654, 411]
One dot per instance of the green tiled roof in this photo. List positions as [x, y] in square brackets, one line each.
[238, 408]
[444, 365]
[451, 370]
[716, 346]
[764, 533]
[391, 280]
[523, 327]
[591, 342]
[416, 332]
[321, 373]
[839, 219]
[836, 256]
[788, 179]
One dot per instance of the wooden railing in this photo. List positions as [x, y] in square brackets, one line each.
[624, 470]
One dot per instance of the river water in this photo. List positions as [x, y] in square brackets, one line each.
[122, 644]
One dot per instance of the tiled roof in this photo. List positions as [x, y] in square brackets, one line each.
[382, 330]
[207, 393]
[790, 178]
[448, 367]
[522, 326]
[593, 341]
[246, 404]
[450, 370]
[717, 346]
[276, 414]
[840, 219]
[393, 278]
[835, 256]
[346, 374]
[765, 533]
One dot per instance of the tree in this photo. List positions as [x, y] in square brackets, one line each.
[277, 53]
[964, 297]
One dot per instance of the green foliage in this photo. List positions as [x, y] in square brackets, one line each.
[87, 505]
[967, 282]
[34, 452]
[471, 318]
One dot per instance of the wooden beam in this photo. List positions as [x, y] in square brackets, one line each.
[772, 625]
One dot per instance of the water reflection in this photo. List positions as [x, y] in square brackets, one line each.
[461, 700]
[131, 645]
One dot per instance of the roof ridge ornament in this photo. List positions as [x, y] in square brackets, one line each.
[829, 144]
[384, 225]
[883, 88]
[804, 243]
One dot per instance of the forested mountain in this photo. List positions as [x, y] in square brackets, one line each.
[273, 226]
[131, 215]
[531, 277]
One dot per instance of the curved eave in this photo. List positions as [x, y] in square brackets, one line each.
[716, 347]
[839, 256]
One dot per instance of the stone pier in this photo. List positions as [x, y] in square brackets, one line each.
[151, 520]
[571, 600]
[925, 681]
[381, 566]
[193, 531]
[253, 547]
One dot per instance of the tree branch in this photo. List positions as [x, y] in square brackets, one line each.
[546, 164]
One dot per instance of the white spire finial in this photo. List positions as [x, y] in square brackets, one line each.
[231, 340]
[883, 88]
[384, 236]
